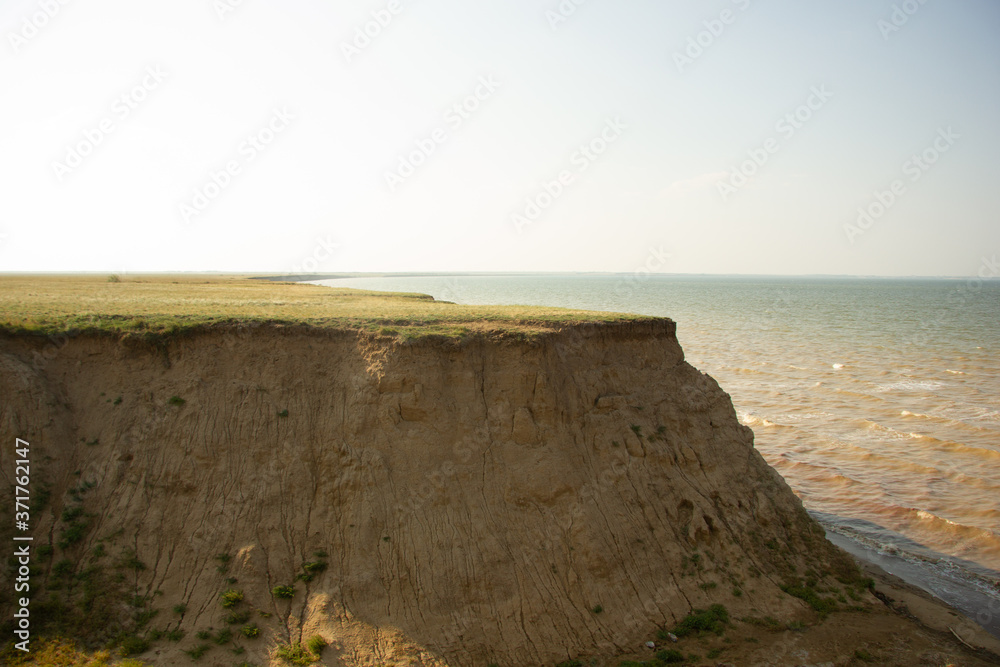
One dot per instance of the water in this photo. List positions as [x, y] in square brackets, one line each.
[878, 400]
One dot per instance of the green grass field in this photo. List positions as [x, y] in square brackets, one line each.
[172, 304]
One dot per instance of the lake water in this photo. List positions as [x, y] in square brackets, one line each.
[878, 400]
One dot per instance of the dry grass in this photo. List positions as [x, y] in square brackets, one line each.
[167, 304]
[63, 653]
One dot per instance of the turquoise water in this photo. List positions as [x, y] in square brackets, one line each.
[878, 400]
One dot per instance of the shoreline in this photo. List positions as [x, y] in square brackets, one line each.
[930, 611]
[955, 592]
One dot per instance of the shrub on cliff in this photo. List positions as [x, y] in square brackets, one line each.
[231, 598]
[283, 592]
[714, 619]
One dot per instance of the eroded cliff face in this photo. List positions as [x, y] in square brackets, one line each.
[488, 501]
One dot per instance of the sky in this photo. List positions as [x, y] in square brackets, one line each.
[856, 137]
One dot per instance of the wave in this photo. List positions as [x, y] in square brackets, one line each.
[886, 543]
[951, 446]
[909, 385]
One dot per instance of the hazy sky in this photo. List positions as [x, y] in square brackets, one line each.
[732, 136]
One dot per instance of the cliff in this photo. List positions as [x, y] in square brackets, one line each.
[473, 501]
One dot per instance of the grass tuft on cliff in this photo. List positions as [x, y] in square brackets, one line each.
[158, 306]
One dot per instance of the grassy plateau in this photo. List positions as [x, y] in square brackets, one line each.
[170, 304]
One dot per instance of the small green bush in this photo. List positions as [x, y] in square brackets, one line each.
[72, 534]
[132, 645]
[283, 592]
[174, 635]
[203, 634]
[700, 621]
[295, 654]
[250, 631]
[231, 598]
[224, 636]
[314, 567]
[198, 651]
[176, 400]
[180, 609]
[70, 513]
[597, 609]
[809, 595]
[316, 644]
[236, 617]
[131, 561]
[670, 656]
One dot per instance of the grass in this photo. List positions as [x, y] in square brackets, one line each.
[64, 653]
[132, 646]
[316, 644]
[198, 651]
[702, 621]
[237, 617]
[809, 594]
[296, 654]
[154, 307]
[231, 598]
[283, 592]
[664, 657]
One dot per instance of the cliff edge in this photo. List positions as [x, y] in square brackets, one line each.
[472, 501]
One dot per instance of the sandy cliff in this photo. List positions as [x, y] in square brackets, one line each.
[517, 502]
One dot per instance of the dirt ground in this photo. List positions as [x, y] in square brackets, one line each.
[902, 625]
